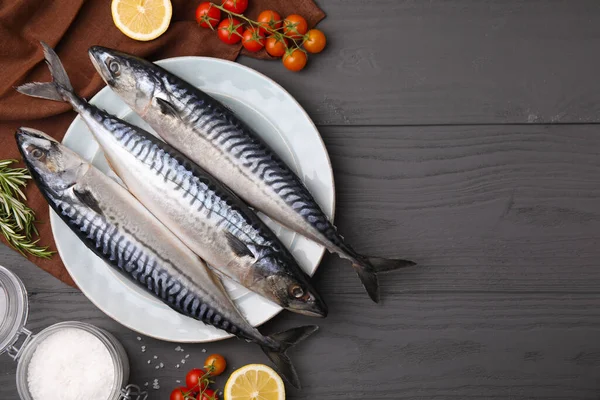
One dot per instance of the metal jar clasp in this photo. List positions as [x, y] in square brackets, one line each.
[133, 392]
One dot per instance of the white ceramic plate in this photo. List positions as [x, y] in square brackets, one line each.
[281, 122]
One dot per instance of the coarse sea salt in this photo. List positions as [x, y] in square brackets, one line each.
[71, 364]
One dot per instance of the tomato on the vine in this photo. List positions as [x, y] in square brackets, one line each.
[230, 30]
[207, 15]
[295, 26]
[179, 393]
[194, 380]
[315, 41]
[208, 394]
[215, 364]
[252, 40]
[269, 19]
[276, 46]
[235, 6]
[295, 60]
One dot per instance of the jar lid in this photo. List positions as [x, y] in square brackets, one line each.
[14, 308]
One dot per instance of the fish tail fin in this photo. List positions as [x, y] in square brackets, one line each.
[389, 264]
[60, 89]
[284, 341]
[368, 267]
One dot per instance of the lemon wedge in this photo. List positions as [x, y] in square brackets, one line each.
[254, 382]
[142, 19]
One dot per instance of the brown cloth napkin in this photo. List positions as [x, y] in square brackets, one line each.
[71, 27]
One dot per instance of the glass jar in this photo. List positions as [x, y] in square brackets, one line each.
[20, 343]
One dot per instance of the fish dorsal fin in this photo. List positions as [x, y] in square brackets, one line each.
[238, 247]
[166, 107]
[87, 198]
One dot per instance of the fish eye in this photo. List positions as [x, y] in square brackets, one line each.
[296, 291]
[114, 67]
[37, 153]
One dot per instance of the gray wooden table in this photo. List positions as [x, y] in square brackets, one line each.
[463, 134]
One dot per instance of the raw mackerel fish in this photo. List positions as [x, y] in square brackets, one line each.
[217, 140]
[119, 230]
[211, 220]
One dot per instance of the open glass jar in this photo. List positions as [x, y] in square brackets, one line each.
[20, 343]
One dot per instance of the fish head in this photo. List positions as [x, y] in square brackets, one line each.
[127, 75]
[51, 164]
[287, 285]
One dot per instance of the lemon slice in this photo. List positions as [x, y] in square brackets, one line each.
[254, 382]
[142, 19]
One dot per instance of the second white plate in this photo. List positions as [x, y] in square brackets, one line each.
[279, 120]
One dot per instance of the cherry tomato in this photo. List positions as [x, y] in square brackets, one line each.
[208, 394]
[295, 26]
[276, 46]
[207, 15]
[252, 40]
[315, 41]
[217, 362]
[295, 60]
[179, 393]
[235, 6]
[193, 380]
[269, 19]
[230, 30]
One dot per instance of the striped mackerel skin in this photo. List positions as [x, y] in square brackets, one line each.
[212, 136]
[126, 236]
[196, 207]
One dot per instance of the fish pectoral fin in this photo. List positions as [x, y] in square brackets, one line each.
[87, 198]
[238, 247]
[166, 107]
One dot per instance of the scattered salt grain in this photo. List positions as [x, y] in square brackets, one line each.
[161, 365]
[204, 350]
[177, 366]
[139, 338]
[71, 364]
[155, 357]
[183, 361]
[187, 356]
[178, 348]
[177, 381]
[146, 384]
[157, 367]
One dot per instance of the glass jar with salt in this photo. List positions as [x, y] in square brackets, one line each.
[68, 360]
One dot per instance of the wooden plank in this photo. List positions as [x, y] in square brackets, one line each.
[426, 346]
[35, 279]
[481, 208]
[484, 208]
[451, 62]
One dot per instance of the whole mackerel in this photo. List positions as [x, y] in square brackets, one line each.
[212, 136]
[205, 215]
[119, 230]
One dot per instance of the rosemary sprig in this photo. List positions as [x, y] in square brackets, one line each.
[16, 218]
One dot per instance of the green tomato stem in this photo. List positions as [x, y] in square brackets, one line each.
[279, 35]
